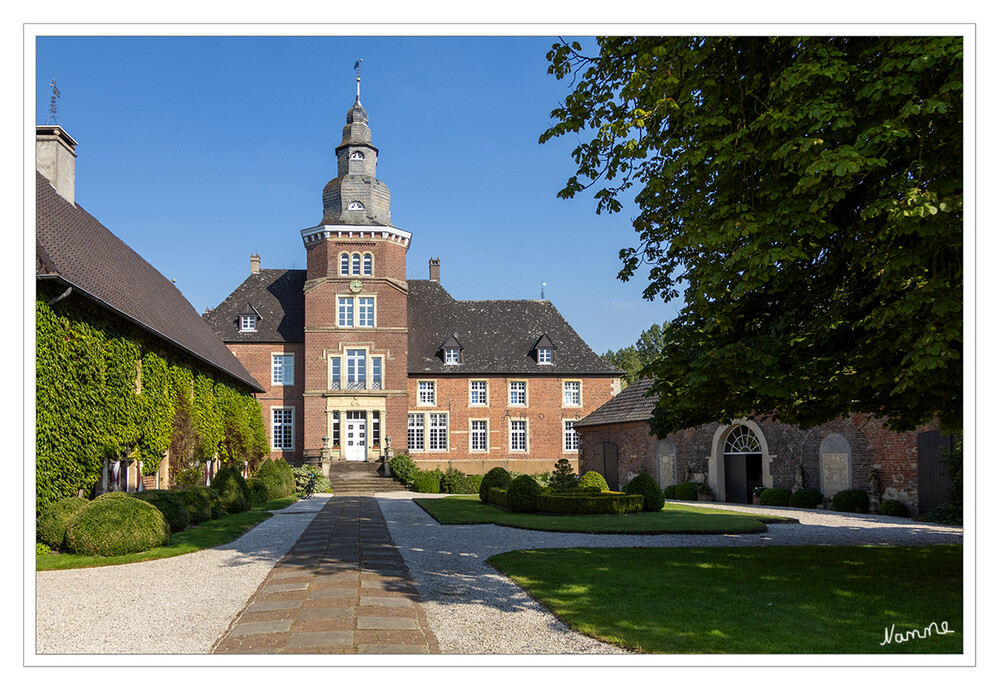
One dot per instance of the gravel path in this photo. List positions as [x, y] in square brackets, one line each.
[177, 605]
[472, 609]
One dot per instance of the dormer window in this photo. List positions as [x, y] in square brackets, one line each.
[450, 351]
[452, 355]
[357, 155]
[543, 351]
[544, 355]
[355, 206]
[248, 323]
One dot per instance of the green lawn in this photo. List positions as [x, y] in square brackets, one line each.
[673, 519]
[750, 600]
[204, 536]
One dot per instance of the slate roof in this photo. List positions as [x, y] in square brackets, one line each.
[277, 295]
[630, 405]
[73, 248]
[496, 336]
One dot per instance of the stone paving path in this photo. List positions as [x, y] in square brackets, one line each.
[343, 588]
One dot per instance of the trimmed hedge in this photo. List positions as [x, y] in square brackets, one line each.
[775, 497]
[805, 498]
[427, 481]
[523, 494]
[403, 468]
[592, 480]
[457, 482]
[258, 490]
[496, 477]
[115, 524]
[894, 508]
[173, 507]
[233, 493]
[199, 503]
[278, 477]
[669, 491]
[51, 526]
[589, 504]
[497, 496]
[851, 501]
[646, 486]
[686, 491]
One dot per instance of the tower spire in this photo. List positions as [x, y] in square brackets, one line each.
[357, 69]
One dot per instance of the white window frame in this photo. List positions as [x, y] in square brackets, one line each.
[422, 399]
[352, 359]
[436, 440]
[569, 433]
[349, 312]
[344, 264]
[568, 394]
[452, 355]
[367, 264]
[521, 394]
[365, 312]
[248, 324]
[284, 423]
[412, 429]
[513, 446]
[482, 433]
[287, 368]
[336, 381]
[345, 312]
[484, 393]
[545, 355]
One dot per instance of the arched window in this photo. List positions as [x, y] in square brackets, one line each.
[357, 155]
[344, 264]
[835, 464]
[367, 264]
[355, 264]
[355, 206]
[742, 440]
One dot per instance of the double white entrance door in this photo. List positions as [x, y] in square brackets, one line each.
[356, 437]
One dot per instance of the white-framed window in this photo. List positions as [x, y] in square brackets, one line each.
[518, 393]
[570, 439]
[572, 394]
[345, 312]
[282, 370]
[414, 432]
[438, 431]
[367, 265]
[452, 355]
[544, 355]
[355, 264]
[357, 378]
[335, 429]
[478, 435]
[518, 434]
[355, 206]
[247, 323]
[376, 373]
[344, 264]
[478, 393]
[283, 428]
[357, 155]
[366, 312]
[334, 373]
[427, 393]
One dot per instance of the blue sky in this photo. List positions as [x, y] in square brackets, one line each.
[198, 151]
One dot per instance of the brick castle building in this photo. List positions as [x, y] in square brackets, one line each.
[358, 361]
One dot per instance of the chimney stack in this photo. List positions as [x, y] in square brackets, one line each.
[435, 270]
[254, 264]
[55, 158]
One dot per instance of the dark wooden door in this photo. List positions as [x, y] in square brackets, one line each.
[934, 481]
[609, 463]
[736, 482]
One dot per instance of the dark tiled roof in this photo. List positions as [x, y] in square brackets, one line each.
[496, 336]
[630, 405]
[277, 295]
[73, 247]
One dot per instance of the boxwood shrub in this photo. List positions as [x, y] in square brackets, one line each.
[496, 477]
[496, 496]
[55, 518]
[523, 494]
[894, 508]
[686, 491]
[806, 498]
[228, 482]
[277, 477]
[775, 497]
[455, 481]
[589, 504]
[258, 490]
[172, 506]
[403, 468]
[669, 491]
[646, 486]
[115, 524]
[427, 481]
[593, 480]
[851, 501]
[199, 503]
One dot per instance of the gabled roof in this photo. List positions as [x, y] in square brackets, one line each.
[277, 296]
[496, 336]
[74, 249]
[630, 405]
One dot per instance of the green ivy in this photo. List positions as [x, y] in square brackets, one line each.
[107, 389]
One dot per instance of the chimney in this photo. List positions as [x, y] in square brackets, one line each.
[435, 270]
[254, 264]
[55, 158]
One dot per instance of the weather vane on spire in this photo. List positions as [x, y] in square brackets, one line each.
[357, 68]
[53, 107]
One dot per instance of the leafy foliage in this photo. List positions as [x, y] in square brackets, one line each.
[776, 497]
[403, 468]
[894, 508]
[496, 477]
[652, 501]
[199, 503]
[563, 477]
[427, 481]
[302, 475]
[634, 358]
[55, 518]
[593, 480]
[115, 524]
[278, 477]
[455, 481]
[522, 496]
[851, 501]
[233, 492]
[173, 507]
[805, 498]
[806, 196]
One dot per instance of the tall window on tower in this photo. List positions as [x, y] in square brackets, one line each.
[345, 312]
[356, 366]
[366, 312]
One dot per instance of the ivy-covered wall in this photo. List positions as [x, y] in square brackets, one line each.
[107, 389]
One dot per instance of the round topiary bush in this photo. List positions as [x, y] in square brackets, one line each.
[894, 508]
[851, 501]
[172, 506]
[775, 497]
[199, 503]
[228, 482]
[686, 491]
[273, 477]
[115, 524]
[258, 490]
[427, 481]
[669, 491]
[653, 496]
[523, 493]
[55, 518]
[497, 477]
[805, 498]
[593, 480]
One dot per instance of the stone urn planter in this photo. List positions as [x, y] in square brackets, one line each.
[756, 500]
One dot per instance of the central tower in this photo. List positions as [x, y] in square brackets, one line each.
[356, 331]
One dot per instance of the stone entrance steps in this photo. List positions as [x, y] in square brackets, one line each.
[360, 478]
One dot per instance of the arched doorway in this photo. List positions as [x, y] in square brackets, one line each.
[742, 464]
[666, 463]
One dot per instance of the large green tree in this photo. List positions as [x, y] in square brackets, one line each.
[634, 358]
[805, 194]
